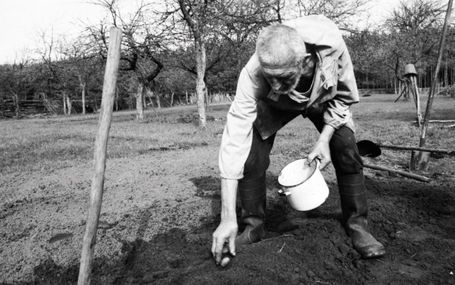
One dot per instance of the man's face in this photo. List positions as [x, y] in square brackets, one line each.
[284, 79]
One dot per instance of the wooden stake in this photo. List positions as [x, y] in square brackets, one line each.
[96, 194]
[435, 79]
[421, 159]
[417, 97]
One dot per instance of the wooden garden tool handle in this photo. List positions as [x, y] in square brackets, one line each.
[402, 173]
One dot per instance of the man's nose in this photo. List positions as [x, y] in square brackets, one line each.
[276, 85]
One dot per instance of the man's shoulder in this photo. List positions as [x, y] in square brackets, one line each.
[317, 30]
[312, 21]
[253, 67]
[312, 18]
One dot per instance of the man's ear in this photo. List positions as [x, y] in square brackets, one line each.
[307, 55]
[305, 59]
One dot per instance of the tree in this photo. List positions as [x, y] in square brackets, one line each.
[202, 22]
[14, 84]
[339, 11]
[52, 70]
[81, 62]
[143, 40]
[196, 14]
[412, 34]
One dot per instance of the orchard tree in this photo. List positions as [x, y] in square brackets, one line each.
[201, 22]
[368, 50]
[339, 11]
[15, 83]
[413, 34]
[81, 61]
[52, 70]
[144, 38]
[197, 15]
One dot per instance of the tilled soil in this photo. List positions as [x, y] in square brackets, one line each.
[161, 207]
[416, 222]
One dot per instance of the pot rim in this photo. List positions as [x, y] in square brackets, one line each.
[304, 180]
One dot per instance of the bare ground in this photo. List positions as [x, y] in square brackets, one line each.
[161, 204]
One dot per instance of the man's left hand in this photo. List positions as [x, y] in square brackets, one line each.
[320, 151]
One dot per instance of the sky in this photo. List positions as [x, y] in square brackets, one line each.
[23, 21]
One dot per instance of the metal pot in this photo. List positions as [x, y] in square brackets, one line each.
[303, 185]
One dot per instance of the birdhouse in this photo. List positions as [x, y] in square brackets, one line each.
[409, 69]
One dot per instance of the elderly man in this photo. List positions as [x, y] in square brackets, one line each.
[301, 67]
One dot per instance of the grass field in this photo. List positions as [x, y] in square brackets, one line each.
[162, 194]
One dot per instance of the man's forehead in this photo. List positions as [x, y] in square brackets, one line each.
[280, 71]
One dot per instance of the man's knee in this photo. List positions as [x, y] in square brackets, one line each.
[344, 152]
[259, 157]
[256, 164]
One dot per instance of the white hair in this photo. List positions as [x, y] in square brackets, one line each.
[279, 45]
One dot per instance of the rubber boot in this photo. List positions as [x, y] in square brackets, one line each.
[252, 194]
[355, 210]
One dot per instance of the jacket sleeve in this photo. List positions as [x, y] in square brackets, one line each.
[338, 111]
[238, 131]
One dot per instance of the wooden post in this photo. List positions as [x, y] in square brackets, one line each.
[96, 194]
[417, 97]
[420, 160]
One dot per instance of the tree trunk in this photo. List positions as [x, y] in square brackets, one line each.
[395, 87]
[64, 103]
[116, 99]
[158, 100]
[69, 104]
[200, 84]
[16, 104]
[186, 97]
[149, 95]
[172, 98]
[83, 98]
[139, 102]
[145, 93]
[96, 104]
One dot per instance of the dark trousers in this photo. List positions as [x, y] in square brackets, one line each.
[346, 161]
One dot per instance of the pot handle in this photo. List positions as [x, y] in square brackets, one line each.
[318, 162]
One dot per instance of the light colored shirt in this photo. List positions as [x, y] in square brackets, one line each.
[333, 90]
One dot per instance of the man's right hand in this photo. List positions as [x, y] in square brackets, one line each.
[224, 241]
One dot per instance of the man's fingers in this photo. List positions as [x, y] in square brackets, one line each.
[227, 255]
[310, 158]
[218, 250]
[213, 246]
[232, 245]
